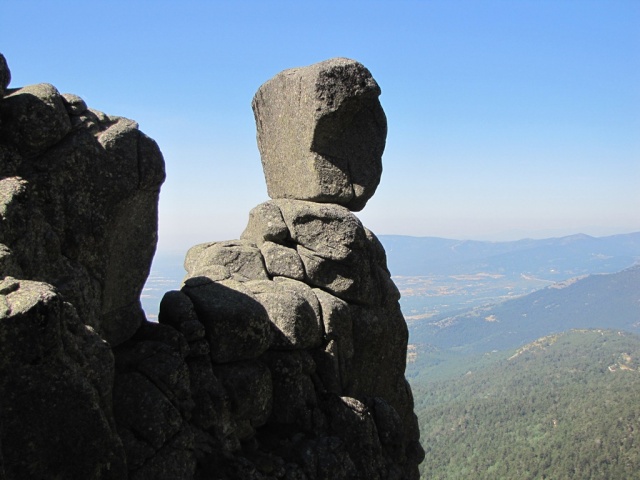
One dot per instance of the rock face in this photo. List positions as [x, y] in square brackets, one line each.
[78, 225]
[307, 342]
[321, 133]
[281, 357]
[78, 199]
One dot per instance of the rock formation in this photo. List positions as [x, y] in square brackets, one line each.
[78, 224]
[281, 357]
[301, 319]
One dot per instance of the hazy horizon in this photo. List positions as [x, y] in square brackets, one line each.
[498, 238]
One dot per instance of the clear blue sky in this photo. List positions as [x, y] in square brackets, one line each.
[506, 118]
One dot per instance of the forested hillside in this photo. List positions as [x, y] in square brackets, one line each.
[563, 407]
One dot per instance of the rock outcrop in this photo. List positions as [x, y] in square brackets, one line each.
[281, 357]
[79, 196]
[78, 225]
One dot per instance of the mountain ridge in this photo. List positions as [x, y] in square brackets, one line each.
[550, 256]
[593, 301]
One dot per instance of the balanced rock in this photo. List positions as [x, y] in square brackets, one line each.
[302, 373]
[321, 133]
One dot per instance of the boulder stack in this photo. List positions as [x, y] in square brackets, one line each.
[300, 316]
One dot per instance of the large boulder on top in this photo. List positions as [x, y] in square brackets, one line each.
[321, 133]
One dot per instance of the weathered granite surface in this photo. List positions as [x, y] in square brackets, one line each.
[79, 195]
[321, 133]
[56, 380]
[304, 310]
[281, 357]
[78, 228]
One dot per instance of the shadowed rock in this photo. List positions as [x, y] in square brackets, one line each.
[236, 324]
[56, 377]
[34, 118]
[335, 349]
[5, 75]
[78, 229]
[79, 201]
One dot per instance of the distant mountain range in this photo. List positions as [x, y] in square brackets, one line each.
[519, 356]
[501, 269]
[595, 301]
[550, 259]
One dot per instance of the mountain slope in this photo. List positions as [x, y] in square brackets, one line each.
[562, 407]
[595, 301]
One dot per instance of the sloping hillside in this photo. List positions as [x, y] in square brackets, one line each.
[595, 301]
[562, 407]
